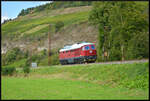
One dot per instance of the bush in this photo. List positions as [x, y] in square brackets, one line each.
[28, 62]
[58, 26]
[26, 69]
[10, 56]
[26, 54]
[8, 70]
[135, 76]
[13, 55]
[55, 59]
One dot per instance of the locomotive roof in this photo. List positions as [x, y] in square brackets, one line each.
[74, 46]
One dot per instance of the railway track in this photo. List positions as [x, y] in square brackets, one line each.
[108, 62]
[114, 62]
[123, 62]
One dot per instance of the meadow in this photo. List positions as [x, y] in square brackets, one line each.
[92, 81]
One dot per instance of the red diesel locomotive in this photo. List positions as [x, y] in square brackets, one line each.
[78, 53]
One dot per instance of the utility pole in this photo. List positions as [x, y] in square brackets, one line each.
[51, 30]
[49, 46]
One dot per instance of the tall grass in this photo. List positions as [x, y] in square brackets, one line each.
[122, 75]
[18, 64]
[93, 81]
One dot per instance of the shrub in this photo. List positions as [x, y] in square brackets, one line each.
[26, 54]
[58, 26]
[10, 56]
[13, 55]
[44, 52]
[3, 60]
[26, 69]
[8, 70]
[28, 62]
[55, 59]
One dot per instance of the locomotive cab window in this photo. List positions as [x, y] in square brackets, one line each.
[87, 48]
[92, 47]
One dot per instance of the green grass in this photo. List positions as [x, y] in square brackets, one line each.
[93, 81]
[29, 88]
[18, 63]
[124, 75]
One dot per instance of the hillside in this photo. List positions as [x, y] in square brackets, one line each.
[33, 28]
[123, 36]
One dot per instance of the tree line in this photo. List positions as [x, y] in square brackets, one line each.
[54, 5]
[123, 30]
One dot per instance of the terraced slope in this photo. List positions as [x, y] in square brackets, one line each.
[33, 28]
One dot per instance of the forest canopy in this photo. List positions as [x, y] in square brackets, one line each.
[123, 29]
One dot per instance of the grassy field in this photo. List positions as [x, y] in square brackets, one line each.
[44, 88]
[93, 81]
[18, 63]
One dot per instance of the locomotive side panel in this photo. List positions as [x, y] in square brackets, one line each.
[86, 53]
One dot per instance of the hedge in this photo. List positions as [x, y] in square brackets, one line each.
[8, 70]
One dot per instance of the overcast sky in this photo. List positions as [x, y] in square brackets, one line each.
[10, 9]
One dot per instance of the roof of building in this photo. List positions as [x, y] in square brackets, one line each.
[74, 46]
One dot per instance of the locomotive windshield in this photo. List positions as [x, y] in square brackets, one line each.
[92, 46]
[87, 47]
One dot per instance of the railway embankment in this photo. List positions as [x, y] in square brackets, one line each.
[96, 81]
[128, 75]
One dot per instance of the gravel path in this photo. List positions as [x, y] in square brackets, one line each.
[109, 62]
[114, 62]
[124, 62]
